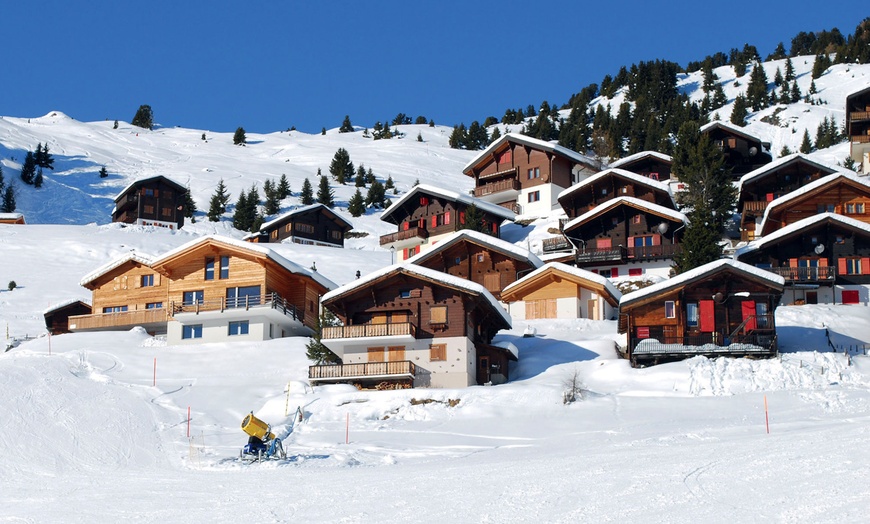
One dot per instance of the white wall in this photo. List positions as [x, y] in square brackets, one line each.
[216, 330]
[543, 207]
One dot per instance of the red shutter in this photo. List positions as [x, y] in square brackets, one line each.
[865, 266]
[424, 201]
[405, 226]
[747, 307]
[462, 217]
[707, 316]
[447, 218]
[657, 240]
[433, 221]
[630, 241]
[643, 332]
[769, 197]
[495, 227]
[850, 296]
[614, 272]
[792, 262]
[635, 272]
[841, 266]
[603, 243]
[421, 223]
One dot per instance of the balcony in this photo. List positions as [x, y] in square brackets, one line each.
[860, 139]
[857, 116]
[507, 184]
[654, 252]
[755, 206]
[556, 244]
[402, 372]
[805, 274]
[414, 234]
[370, 331]
[595, 255]
[272, 306]
[760, 342]
[153, 320]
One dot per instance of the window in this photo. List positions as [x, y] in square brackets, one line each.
[839, 239]
[304, 228]
[859, 208]
[209, 268]
[850, 209]
[114, 309]
[534, 196]
[192, 331]
[404, 293]
[150, 192]
[287, 228]
[166, 211]
[653, 176]
[457, 261]
[238, 328]
[853, 266]
[670, 309]
[243, 296]
[614, 221]
[437, 352]
[761, 318]
[274, 234]
[692, 314]
[603, 191]
[154, 305]
[147, 280]
[534, 172]
[624, 190]
[336, 235]
[438, 315]
[148, 209]
[225, 267]
[192, 297]
[480, 257]
[635, 219]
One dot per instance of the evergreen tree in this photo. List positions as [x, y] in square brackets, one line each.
[806, 144]
[37, 180]
[360, 180]
[739, 111]
[189, 204]
[43, 157]
[822, 63]
[115, 126]
[240, 219]
[795, 93]
[306, 197]
[239, 137]
[420, 120]
[458, 137]
[8, 204]
[376, 195]
[2, 181]
[789, 71]
[419, 136]
[28, 169]
[778, 53]
[323, 131]
[346, 126]
[785, 151]
[341, 168]
[785, 94]
[813, 89]
[103, 172]
[495, 135]
[356, 205]
[387, 185]
[144, 117]
[283, 187]
[756, 91]
[474, 220]
[315, 350]
[325, 195]
[777, 78]
[251, 213]
[370, 177]
[218, 204]
[273, 198]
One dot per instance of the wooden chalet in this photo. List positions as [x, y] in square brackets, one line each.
[154, 201]
[858, 127]
[316, 225]
[651, 164]
[525, 174]
[724, 308]
[613, 183]
[57, 317]
[824, 258]
[759, 188]
[558, 290]
[480, 258]
[210, 289]
[743, 152]
[841, 193]
[626, 235]
[427, 214]
[11, 218]
[407, 325]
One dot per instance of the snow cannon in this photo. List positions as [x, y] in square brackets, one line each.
[255, 427]
[262, 443]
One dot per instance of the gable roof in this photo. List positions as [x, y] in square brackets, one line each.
[142, 181]
[482, 239]
[731, 128]
[800, 226]
[780, 163]
[859, 92]
[700, 272]
[802, 192]
[11, 216]
[634, 177]
[452, 196]
[240, 245]
[643, 154]
[304, 210]
[421, 272]
[533, 143]
[582, 277]
[629, 201]
[65, 304]
[141, 258]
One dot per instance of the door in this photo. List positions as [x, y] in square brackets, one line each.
[747, 309]
[482, 370]
[707, 317]
[543, 308]
[592, 312]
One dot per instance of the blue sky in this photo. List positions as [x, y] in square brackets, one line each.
[269, 65]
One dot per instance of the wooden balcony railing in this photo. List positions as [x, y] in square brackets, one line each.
[272, 300]
[369, 330]
[805, 274]
[856, 116]
[755, 206]
[654, 252]
[404, 368]
[860, 139]
[120, 319]
[508, 184]
[414, 232]
[606, 254]
[554, 244]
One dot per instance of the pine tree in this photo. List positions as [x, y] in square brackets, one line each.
[474, 220]
[2, 181]
[273, 198]
[795, 93]
[240, 220]
[387, 185]
[376, 195]
[325, 195]
[283, 187]
[341, 168]
[323, 131]
[356, 204]
[144, 117]
[785, 151]
[37, 180]
[28, 169]
[189, 205]
[254, 218]
[370, 177]
[822, 63]
[103, 172]
[239, 137]
[495, 135]
[360, 180]
[44, 158]
[218, 204]
[115, 126]
[8, 204]
[306, 197]
[419, 136]
[346, 126]
[739, 111]
[315, 350]
[789, 71]
[756, 91]
[806, 144]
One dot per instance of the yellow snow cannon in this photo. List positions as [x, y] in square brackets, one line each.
[255, 427]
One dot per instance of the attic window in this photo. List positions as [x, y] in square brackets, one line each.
[404, 293]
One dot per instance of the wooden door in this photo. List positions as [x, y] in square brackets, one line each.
[707, 317]
[395, 353]
[543, 308]
[747, 308]
[482, 370]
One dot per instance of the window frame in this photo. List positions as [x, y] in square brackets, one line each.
[209, 269]
[147, 280]
[693, 314]
[191, 331]
[242, 327]
[224, 267]
[670, 309]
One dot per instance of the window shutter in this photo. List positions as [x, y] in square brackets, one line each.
[865, 266]
[462, 217]
[841, 266]
[630, 241]
[792, 262]
[656, 240]
[643, 332]
[447, 218]
[603, 243]
[405, 226]
[747, 307]
[434, 221]
[424, 201]
[156, 279]
[769, 197]
[614, 272]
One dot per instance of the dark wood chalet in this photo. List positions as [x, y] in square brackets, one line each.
[651, 164]
[408, 325]
[525, 174]
[858, 127]
[316, 224]
[426, 215]
[759, 188]
[743, 151]
[724, 308]
[481, 258]
[154, 201]
[57, 317]
[823, 258]
[625, 230]
[840, 193]
[613, 183]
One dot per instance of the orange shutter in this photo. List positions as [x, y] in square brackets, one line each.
[434, 221]
[792, 262]
[841, 266]
[656, 240]
[865, 266]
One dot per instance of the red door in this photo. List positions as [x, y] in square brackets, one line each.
[706, 317]
[748, 309]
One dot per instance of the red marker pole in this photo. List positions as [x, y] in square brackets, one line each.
[188, 421]
[766, 419]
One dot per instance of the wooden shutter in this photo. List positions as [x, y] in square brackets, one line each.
[707, 316]
[405, 226]
[438, 314]
[492, 282]
[747, 307]
[375, 354]
[841, 266]
[531, 309]
[603, 243]
[551, 308]
[434, 221]
[447, 218]
[656, 240]
[395, 353]
[379, 318]
[643, 332]
[865, 266]
[437, 352]
[614, 272]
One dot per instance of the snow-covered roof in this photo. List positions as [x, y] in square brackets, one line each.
[737, 130]
[300, 211]
[531, 142]
[634, 202]
[779, 162]
[698, 272]
[64, 304]
[581, 274]
[497, 244]
[643, 154]
[179, 187]
[429, 274]
[253, 248]
[634, 177]
[452, 196]
[141, 258]
[11, 216]
[812, 186]
[800, 225]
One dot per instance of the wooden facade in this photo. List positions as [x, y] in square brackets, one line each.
[837, 193]
[57, 318]
[651, 164]
[724, 308]
[316, 224]
[609, 184]
[743, 152]
[560, 291]
[155, 201]
[858, 127]
[11, 218]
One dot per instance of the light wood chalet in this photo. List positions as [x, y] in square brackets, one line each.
[525, 174]
[743, 152]
[316, 224]
[427, 214]
[481, 258]
[210, 289]
[759, 188]
[626, 235]
[841, 193]
[57, 316]
[407, 325]
[558, 290]
[724, 308]
[858, 127]
[824, 258]
[11, 218]
[154, 201]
